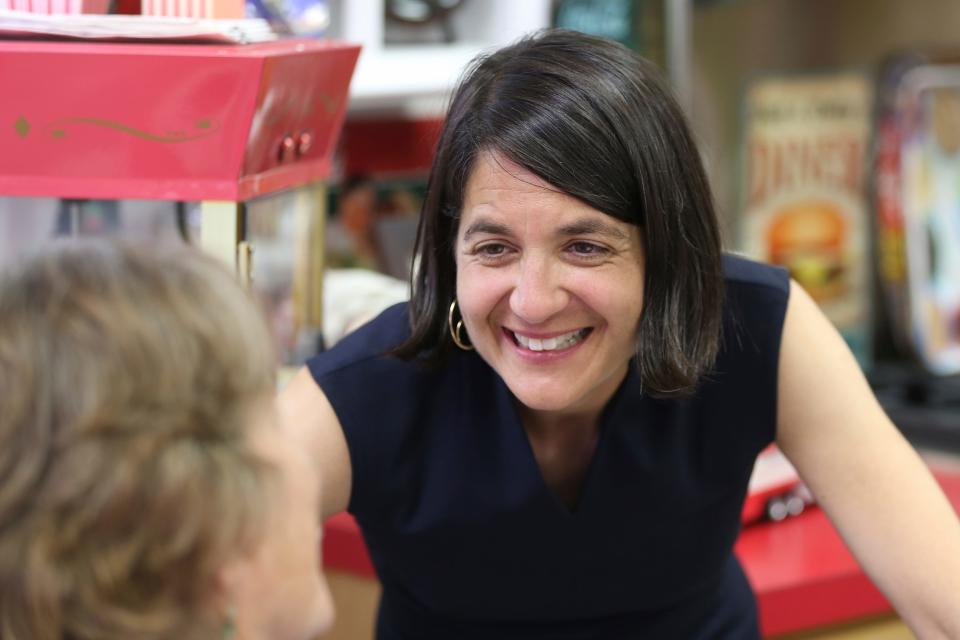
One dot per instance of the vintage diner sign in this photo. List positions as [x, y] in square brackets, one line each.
[804, 199]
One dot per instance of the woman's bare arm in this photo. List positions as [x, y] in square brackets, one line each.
[877, 491]
[307, 415]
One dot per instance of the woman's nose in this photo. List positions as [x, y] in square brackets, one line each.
[537, 294]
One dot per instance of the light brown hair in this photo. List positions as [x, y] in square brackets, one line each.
[129, 377]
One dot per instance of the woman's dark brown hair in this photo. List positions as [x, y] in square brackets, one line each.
[597, 122]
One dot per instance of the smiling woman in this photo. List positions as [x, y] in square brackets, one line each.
[549, 288]
[627, 156]
[553, 439]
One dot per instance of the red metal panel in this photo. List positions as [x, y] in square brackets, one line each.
[390, 146]
[343, 546]
[805, 577]
[303, 97]
[94, 120]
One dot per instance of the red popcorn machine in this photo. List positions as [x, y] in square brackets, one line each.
[223, 126]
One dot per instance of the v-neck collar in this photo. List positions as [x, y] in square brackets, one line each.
[513, 424]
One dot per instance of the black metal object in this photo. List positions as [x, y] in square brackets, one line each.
[924, 407]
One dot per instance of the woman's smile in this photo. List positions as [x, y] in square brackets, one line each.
[556, 343]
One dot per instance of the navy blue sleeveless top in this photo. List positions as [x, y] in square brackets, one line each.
[468, 540]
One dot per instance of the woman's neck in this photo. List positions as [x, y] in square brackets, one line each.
[546, 422]
[585, 414]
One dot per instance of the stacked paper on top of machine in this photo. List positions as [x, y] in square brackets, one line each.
[125, 27]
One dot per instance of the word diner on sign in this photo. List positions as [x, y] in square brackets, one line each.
[784, 164]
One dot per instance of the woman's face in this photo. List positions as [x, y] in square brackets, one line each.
[278, 592]
[550, 289]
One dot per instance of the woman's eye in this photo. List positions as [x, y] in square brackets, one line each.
[587, 249]
[492, 250]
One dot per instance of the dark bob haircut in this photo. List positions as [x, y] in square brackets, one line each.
[597, 122]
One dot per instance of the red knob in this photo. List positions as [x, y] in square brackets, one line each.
[287, 148]
[304, 142]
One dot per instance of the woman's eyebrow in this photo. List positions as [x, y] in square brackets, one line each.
[589, 226]
[487, 227]
[582, 227]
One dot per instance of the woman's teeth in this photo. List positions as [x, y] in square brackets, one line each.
[551, 344]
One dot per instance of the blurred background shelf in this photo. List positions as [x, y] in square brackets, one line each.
[396, 75]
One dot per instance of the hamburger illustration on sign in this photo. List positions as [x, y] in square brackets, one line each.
[808, 237]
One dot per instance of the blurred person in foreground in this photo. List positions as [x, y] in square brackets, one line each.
[553, 439]
[147, 488]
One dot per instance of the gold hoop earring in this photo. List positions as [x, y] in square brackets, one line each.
[455, 331]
